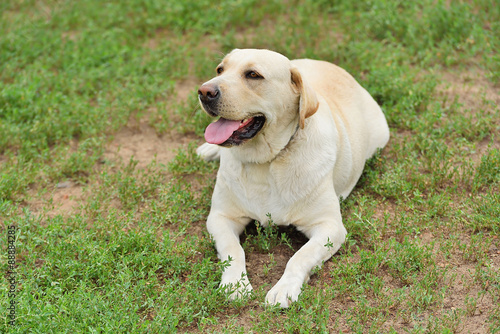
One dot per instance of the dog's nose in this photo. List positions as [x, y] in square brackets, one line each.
[208, 93]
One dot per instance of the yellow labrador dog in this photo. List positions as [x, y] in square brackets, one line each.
[292, 137]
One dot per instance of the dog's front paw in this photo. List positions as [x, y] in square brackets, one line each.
[208, 152]
[284, 292]
[236, 288]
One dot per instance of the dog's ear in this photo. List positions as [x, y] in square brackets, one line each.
[308, 103]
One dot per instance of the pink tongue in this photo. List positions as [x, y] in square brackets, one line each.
[220, 131]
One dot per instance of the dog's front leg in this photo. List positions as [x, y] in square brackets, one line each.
[325, 240]
[225, 233]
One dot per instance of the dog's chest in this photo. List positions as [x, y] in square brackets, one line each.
[258, 193]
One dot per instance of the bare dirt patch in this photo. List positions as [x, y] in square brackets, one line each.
[139, 141]
[160, 34]
[471, 87]
[67, 196]
[62, 199]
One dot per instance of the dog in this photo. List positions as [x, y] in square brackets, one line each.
[292, 137]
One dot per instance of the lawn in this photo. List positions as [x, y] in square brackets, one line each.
[99, 122]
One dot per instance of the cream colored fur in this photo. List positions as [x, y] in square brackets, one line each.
[321, 126]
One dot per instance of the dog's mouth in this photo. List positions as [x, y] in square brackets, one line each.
[227, 132]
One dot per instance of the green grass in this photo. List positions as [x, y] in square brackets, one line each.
[133, 256]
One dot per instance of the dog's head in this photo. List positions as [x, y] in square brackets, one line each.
[260, 100]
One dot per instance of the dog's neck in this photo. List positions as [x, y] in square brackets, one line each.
[288, 143]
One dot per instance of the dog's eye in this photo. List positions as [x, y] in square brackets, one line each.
[253, 75]
[219, 70]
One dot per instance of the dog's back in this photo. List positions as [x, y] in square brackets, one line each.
[348, 100]
[355, 113]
